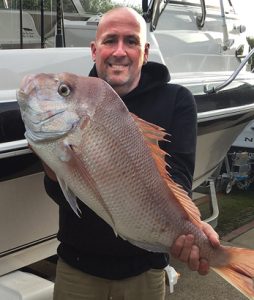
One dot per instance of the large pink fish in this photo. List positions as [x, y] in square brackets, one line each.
[110, 159]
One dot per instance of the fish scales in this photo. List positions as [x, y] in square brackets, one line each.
[111, 161]
[108, 172]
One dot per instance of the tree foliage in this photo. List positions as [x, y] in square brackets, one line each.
[96, 6]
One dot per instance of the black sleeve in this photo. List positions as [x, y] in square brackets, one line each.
[183, 138]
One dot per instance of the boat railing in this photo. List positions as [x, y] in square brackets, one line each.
[227, 43]
[231, 78]
[200, 20]
[153, 10]
[14, 148]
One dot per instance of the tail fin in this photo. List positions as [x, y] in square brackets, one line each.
[240, 270]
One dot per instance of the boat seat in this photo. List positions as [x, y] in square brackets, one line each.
[20, 285]
[80, 33]
[10, 33]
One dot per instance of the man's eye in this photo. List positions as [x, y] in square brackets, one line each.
[109, 41]
[132, 42]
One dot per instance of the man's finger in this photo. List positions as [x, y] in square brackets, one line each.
[211, 234]
[177, 247]
[186, 250]
[203, 267]
[194, 258]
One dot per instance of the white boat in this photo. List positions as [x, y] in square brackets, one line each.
[202, 43]
[245, 140]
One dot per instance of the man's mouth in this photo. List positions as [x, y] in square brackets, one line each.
[118, 67]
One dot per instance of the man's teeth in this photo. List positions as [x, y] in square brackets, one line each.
[118, 66]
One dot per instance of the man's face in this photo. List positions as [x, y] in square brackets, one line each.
[119, 51]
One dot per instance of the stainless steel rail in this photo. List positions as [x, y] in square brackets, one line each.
[15, 148]
[200, 20]
[231, 78]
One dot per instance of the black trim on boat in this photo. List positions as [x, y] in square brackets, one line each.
[224, 123]
[238, 96]
[15, 160]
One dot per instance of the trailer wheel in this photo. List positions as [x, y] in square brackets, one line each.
[229, 187]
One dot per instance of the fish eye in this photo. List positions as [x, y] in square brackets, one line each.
[64, 90]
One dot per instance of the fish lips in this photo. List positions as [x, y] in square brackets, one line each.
[37, 122]
[39, 136]
[44, 129]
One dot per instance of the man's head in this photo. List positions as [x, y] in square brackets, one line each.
[120, 48]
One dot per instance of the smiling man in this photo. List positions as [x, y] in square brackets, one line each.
[94, 263]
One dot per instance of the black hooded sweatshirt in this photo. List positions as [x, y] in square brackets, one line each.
[88, 243]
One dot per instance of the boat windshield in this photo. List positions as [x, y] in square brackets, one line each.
[51, 23]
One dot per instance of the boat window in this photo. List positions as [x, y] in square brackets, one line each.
[31, 25]
[35, 5]
[37, 23]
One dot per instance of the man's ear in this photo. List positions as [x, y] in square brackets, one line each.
[146, 52]
[93, 50]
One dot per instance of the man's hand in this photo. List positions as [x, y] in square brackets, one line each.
[185, 250]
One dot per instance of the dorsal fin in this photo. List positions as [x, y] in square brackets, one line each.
[152, 135]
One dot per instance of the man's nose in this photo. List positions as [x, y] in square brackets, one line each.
[120, 49]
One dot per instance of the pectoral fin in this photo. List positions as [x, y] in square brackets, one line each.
[70, 197]
[68, 155]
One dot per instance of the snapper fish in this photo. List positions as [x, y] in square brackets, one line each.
[110, 159]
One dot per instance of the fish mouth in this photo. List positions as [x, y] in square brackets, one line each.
[45, 119]
[38, 130]
[35, 113]
[37, 122]
[37, 136]
[37, 117]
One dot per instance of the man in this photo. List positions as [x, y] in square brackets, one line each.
[94, 263]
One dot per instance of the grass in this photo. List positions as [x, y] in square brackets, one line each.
[236, 209]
